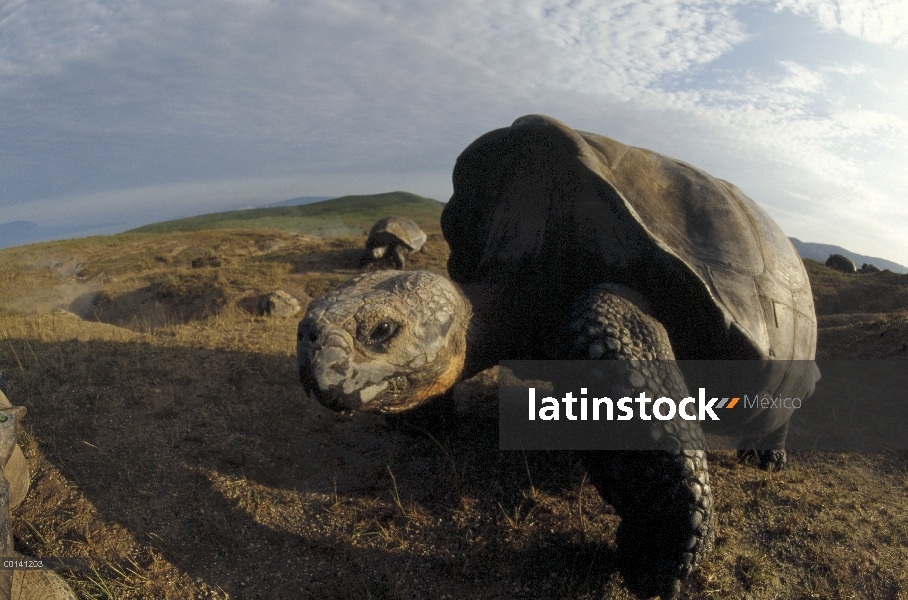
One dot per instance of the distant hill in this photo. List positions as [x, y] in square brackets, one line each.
[348, 215]
[820, 252]
[297, 201]
[19, 233]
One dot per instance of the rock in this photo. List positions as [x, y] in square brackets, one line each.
[206, 261]
[472, 395]
[841, 263]
[279, 304]
[14, 481]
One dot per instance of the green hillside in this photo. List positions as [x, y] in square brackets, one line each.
[348, 215]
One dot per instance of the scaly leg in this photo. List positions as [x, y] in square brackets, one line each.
[662, 495]
[399, 255]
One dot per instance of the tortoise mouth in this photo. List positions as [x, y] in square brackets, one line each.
[330, 401]
[346, 403]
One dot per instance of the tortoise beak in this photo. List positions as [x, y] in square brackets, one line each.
[327, 398]
[323, 358]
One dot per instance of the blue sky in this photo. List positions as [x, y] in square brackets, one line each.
[116, 114]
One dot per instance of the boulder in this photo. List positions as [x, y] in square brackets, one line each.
[19, 584]
[279, 304]
[206, 261]
[841, 263]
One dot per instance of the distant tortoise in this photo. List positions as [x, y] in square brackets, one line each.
[842, 263]
[396, 236]
[869, 268]
[19, 584]
[570, 245]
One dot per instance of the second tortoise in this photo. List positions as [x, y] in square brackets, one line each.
[396, 237]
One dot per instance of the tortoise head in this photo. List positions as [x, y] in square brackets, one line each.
[383, 342]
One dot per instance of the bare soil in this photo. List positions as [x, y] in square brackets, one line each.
[171, 444]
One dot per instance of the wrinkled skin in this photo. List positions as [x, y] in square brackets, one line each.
[383, 342]
[662, 495]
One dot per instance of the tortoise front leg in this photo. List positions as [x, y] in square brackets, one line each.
[399, 254]
[662, 495]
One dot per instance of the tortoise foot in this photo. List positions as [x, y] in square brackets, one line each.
[667, 518]
[647, 569]
[768, 460]
[767, 452]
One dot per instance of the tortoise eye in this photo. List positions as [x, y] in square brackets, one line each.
[381, 332]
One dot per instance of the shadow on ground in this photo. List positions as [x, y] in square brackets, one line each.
[215, 462]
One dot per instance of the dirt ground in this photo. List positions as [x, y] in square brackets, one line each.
[176, 450]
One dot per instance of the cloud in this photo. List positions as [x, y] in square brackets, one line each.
[801, 78]
[102, 98]
[615, 48]
[877, 21]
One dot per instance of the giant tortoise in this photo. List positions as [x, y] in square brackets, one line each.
[394, 236]
[570, 245]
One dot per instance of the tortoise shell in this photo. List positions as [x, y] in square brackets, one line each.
[542, 212]
[396, 230]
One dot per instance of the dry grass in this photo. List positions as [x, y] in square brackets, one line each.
[181, 457]
[860, 316]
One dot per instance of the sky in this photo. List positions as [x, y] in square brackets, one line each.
[117, 114]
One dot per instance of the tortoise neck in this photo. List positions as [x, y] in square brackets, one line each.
[480, 354]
